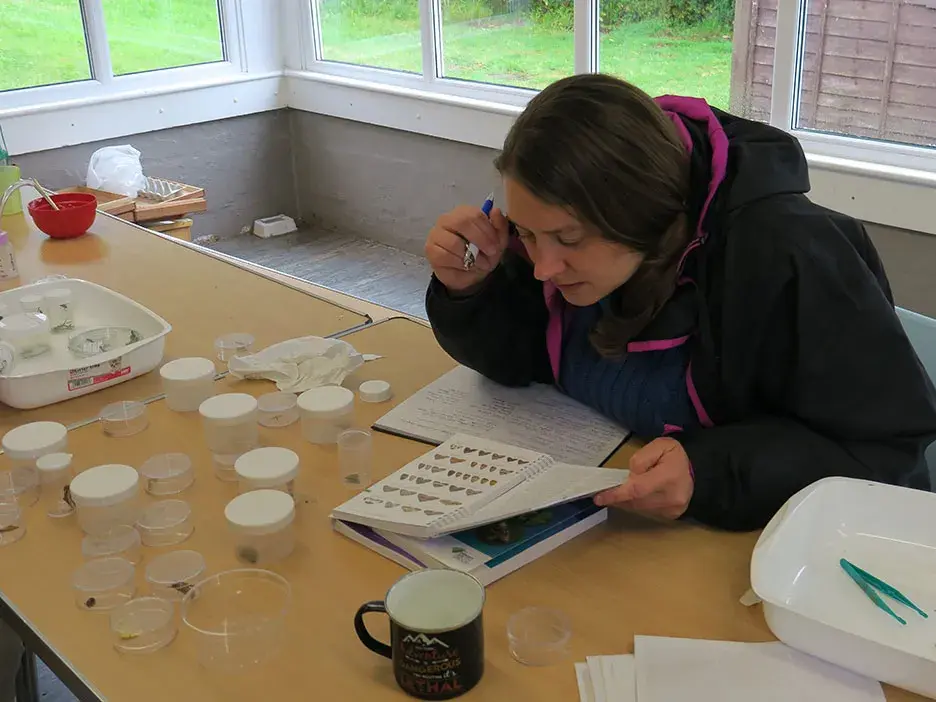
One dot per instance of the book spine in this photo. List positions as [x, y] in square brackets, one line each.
[440, 524]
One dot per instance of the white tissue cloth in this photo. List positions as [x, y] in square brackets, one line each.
[300, 364]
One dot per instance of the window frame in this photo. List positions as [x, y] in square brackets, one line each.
[397, 100]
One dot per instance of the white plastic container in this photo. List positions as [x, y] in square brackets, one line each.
[262, 524]
[811, 604]
[59, 308]
[55, 476]
[28, 334]
[187, 382]
[60, 375]
[230, 423]
[24, 445]
[270, 467]
[326, 412]
[106, 496]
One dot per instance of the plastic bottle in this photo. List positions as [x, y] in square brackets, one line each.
[7, 258]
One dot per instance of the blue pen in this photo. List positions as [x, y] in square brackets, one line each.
[471, 251]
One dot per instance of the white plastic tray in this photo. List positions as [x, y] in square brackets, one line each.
[59, 374]
[812, 605]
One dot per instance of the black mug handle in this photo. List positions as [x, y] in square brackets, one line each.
[378, 647]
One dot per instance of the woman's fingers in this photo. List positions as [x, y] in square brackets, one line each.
[474, 226]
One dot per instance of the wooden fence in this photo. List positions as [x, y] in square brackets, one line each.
[869, 67]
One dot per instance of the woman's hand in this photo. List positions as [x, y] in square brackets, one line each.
[660, 482]
[446, 243]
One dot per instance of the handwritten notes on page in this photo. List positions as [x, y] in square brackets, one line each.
[539, 418]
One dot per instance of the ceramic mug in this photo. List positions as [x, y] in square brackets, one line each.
[436, 632]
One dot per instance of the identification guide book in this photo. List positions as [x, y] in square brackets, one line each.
[487, 552]
[468, 482]
[538, 417]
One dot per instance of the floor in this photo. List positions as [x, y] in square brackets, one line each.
[366, 269]
[359, 267]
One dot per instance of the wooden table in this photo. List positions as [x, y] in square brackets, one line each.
[629, 576]
[200, 295]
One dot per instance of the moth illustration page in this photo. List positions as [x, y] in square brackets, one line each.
[442, 489]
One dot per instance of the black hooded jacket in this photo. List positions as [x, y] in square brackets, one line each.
[797, 354]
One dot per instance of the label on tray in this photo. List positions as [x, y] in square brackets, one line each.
[80, 378]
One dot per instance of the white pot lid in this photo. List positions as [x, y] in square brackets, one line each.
[327, 401]
[183, 369]
[105, 485]
[261, 511]
[229, 407]
[268, 466]
[34, 439]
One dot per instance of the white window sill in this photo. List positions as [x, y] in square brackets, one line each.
[92, 112]
[874, 191]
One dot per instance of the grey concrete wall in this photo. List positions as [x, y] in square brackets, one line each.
[910, 261]
[244, 165]
[390, 186]
[380, 183]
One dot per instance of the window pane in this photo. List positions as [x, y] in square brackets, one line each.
[381, 33]
[680, 47]
[523, 43]
[869, 70]
[41, 42]
[148, 35]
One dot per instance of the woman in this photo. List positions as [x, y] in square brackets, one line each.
[660, 262]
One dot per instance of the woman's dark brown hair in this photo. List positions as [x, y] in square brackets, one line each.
[603, 149]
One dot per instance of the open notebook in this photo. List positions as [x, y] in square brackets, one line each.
[467, 482]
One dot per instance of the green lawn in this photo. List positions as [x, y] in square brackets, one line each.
[512, 50]
[43, 43]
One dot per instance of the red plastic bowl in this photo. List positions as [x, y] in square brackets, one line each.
[74, 217]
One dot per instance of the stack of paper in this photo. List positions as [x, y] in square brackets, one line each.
[672, 670]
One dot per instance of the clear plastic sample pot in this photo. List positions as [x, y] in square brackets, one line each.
[143, 625]
[106, 496]
[230, 423]
[103, 584]
[187, 383]
[262, 524]
[166, 523]
[55, 476]
[24, 445]
[325, 413]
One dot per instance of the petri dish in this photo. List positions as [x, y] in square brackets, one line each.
[172, 575]
[122, 540]
[539, 636]
[167, 473]
[103, 583]
[166, 523]
[12, 527]
[237, 617]
[122, 419]
[277, 409]
[232, 345]
[92, 342]
[143, 625]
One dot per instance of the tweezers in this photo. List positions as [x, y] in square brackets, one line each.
[868, 583]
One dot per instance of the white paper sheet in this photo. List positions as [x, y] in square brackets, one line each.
[586, 691]
[539, 418]
[620, 682]
[596, 673]
[726, 671]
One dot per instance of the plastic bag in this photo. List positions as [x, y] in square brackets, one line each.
[116, 169]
